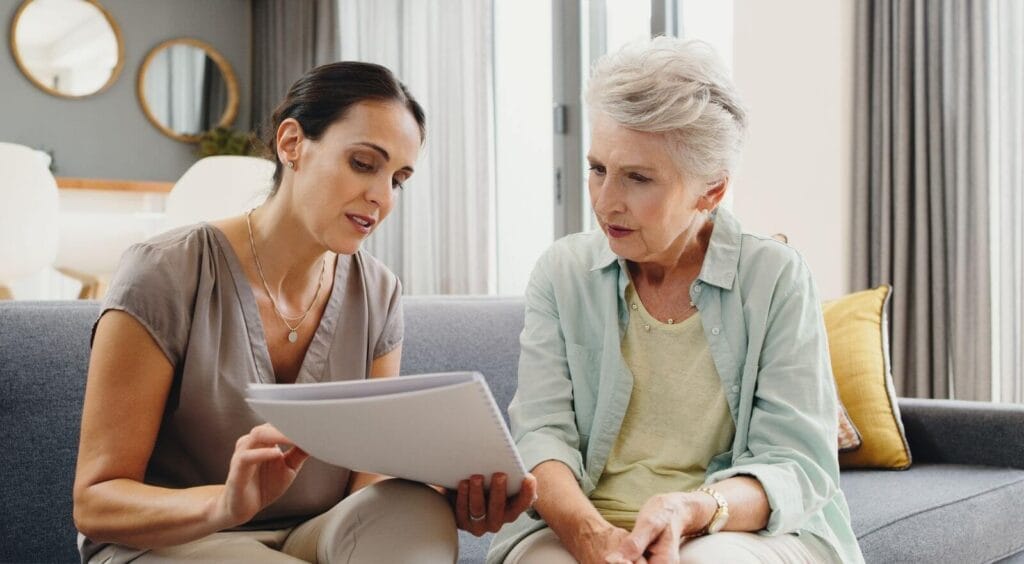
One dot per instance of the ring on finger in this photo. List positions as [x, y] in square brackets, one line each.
[477, 519]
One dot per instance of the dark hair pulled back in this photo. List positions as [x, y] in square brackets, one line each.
[326, 93]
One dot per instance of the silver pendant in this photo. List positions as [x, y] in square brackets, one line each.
[293, 336]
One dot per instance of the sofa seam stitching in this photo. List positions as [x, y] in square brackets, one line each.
[1013, 552]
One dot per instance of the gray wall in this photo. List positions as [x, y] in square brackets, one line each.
[107, 135]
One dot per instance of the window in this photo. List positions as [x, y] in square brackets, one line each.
[542, 133]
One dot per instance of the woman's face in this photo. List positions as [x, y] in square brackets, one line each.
[646, 207]
[346, 182]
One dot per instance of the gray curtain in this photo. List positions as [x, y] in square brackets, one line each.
[215, 96]
[921, 188]
[289, 37]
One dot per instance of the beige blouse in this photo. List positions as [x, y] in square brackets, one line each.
[188, 289]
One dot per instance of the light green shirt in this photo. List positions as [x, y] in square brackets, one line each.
[677, 419]
[762, 320]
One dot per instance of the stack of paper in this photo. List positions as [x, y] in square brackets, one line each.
[432, 428]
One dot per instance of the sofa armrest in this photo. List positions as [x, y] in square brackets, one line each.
[964, 432]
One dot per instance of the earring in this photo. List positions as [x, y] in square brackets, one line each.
[291, 164]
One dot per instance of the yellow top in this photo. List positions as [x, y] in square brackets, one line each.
[677, 419]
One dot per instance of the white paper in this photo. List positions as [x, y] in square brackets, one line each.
[433, 428]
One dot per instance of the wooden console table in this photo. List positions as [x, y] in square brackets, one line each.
[70, 183]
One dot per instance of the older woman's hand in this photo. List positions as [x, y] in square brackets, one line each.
[596, 547]
[660, 527]
[480, 510]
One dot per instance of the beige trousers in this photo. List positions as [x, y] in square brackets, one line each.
[391, 521]
[543, 547]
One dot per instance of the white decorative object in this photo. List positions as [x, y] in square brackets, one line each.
[28, 214]
[91, 244]
[218, 187]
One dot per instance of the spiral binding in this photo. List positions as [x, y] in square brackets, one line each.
[485, 390]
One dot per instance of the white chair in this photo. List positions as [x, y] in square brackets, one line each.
[212, 188]
[217, 187]
[91, 244]
[29, 223]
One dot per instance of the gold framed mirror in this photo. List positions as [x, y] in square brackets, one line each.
[186, 87]
[67, 48]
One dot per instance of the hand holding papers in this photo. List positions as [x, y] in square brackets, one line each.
[434, 428]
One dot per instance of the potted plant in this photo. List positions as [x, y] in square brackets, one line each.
[227, 141]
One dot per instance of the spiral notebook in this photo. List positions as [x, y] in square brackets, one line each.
[431, 428]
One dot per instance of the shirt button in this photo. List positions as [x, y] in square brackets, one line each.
[735, 389]
[715, 331]
[696, 289]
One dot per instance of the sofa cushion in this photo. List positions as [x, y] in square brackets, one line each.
[465, 333]
[937, 513]
[44, 353]
[473, 550]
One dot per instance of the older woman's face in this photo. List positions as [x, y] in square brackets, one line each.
[643, 202]
[348, 181]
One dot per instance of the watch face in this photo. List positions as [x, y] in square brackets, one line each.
[718, 522]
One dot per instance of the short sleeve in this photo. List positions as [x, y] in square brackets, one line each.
[151, 284]
[394, 324]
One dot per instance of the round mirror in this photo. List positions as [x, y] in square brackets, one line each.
[186, 87]
[68, 48]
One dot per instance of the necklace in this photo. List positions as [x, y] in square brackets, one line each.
[293, 334]
[636, 299]
[670, 321]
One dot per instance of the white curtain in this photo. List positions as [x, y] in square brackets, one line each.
[174, 87]
[440, 237]
[1007, 206]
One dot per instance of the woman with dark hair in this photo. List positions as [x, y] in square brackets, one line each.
[172, 462]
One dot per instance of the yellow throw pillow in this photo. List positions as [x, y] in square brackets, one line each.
[858, 343]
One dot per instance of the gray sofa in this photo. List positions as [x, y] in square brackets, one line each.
[962, 501]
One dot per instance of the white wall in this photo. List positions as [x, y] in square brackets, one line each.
[793, 65]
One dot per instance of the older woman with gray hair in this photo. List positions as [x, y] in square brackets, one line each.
[675, 400]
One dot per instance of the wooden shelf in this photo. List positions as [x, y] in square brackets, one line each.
[69, 183]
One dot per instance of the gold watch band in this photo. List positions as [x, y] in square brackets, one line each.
[721, 515]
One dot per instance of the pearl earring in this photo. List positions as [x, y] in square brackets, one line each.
[291, 164]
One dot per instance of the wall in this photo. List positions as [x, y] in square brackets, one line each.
[107, 135]
[793, 65]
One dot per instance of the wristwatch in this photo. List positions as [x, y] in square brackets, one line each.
[721, 515]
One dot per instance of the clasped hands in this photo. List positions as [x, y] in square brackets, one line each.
[662, 524]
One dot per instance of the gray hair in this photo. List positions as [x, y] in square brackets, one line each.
[678, 88]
